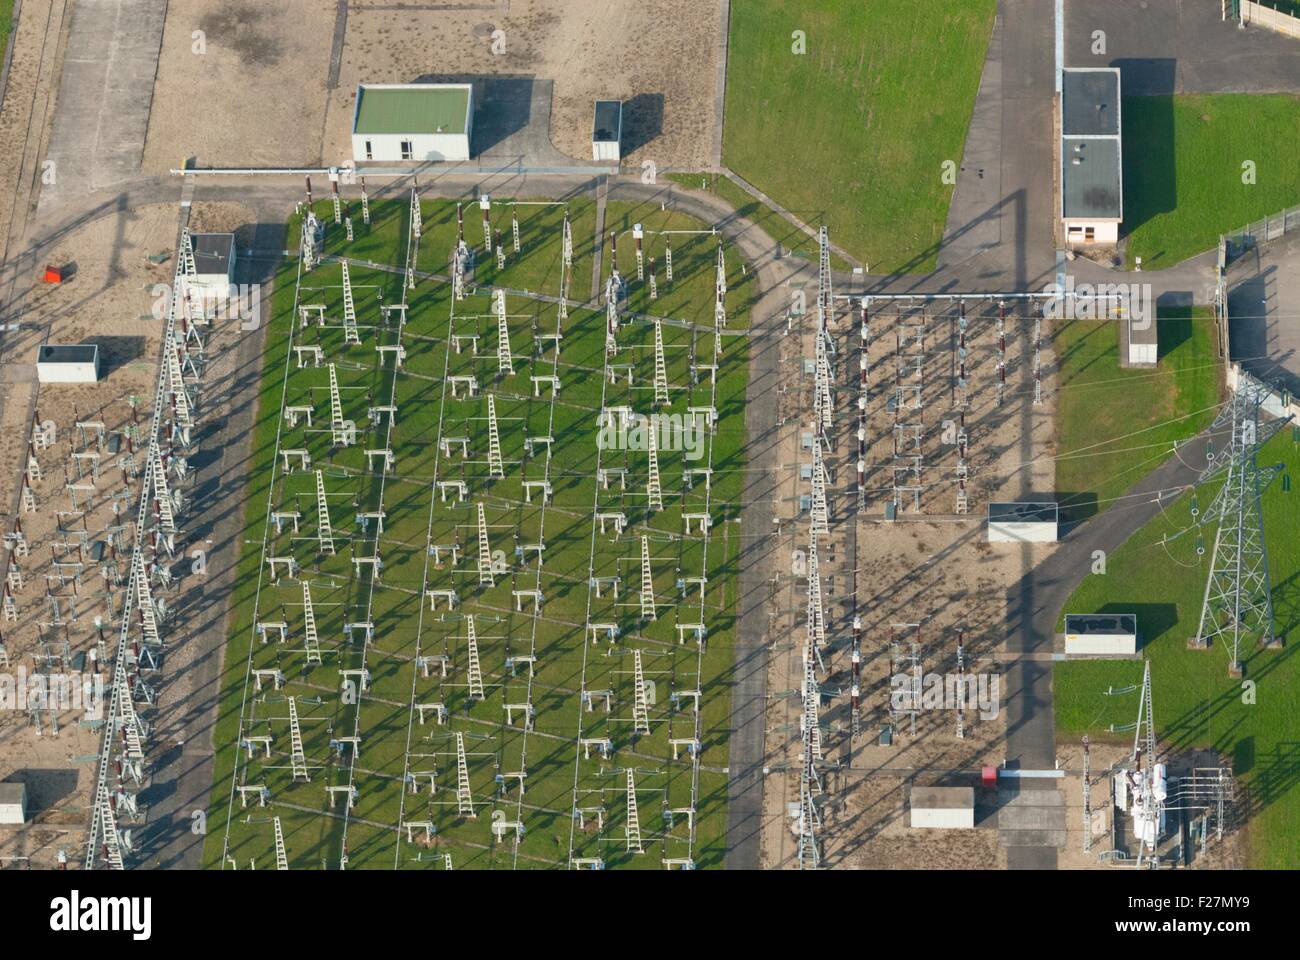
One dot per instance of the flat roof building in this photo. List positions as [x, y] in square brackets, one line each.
[1016, 522]
[417, 122]
[943, 808]
[214, 259]
[13, 804]
[1101, 634]
[607, 131]
[67, 363]
[1092, 159]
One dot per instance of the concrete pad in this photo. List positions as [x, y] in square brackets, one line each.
[1031, 818]
[974, 222]
[1263, 303]
[105, 93]
[1170, 46]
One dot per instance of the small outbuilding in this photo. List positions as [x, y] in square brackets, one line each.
[943, 808]
[214, 260]
[1092, 165]
[1031, 522]
[67, 363]
[607, 131]
[1143, 339]
[419, 122]
[13, 804]
[1101, 634]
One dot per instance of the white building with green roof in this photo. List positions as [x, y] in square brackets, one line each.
[419, 122]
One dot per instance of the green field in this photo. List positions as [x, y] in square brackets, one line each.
[1183, 161]
[1196, 704]
[853, 133]
[779, 228]
[6, 24]
[1116, 425]
[406, 770]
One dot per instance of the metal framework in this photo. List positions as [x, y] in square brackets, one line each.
[1237, 609]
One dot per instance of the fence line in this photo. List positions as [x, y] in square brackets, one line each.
[1269, 228]
[1253, 13]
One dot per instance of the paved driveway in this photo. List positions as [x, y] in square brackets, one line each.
[1180, 46]
[105, 95]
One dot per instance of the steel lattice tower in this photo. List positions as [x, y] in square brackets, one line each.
[1238, 606]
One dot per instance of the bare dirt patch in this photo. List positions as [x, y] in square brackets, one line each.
[255, 96]
[659, 57]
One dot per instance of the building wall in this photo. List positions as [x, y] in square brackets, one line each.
[605, 150]
[944, 818]
[67, 372]
[1142, 354]
[1012, 532]
[1107, 232]
[1100, 644]
[425, 147]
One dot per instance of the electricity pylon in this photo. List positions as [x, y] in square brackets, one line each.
[1238, 606]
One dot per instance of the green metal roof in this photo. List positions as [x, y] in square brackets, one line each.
[429, 109]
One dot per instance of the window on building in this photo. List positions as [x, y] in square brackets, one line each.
[1089, 234]
[407, 152]
[370, 150]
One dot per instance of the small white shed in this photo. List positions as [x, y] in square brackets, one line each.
[1101, 634]
[419, 122]
[67, 363]
[1143, 342]
[214, 260]
[1031, 522]
[13, 804]
[607, 131]
[943, 808]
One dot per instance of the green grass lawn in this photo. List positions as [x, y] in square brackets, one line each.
[1196, 704]
[1183, 169]
[394, 746]
[760, 214]
[853, 133]
[1115, 425]
[6, 24]
[1284, 6]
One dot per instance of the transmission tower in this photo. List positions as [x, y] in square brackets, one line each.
[1149, 803]
[633, 820]
[496, 467]
[661, 366]
[647, 582]
[505, 360]
[640, 702]
[326, 531]
[464, 803]
[298, 757]
[654, 491]
[475, 671]
[484, 551]
[820, 510]
[1237, 609]
[350, 334]
[281, 858]
[310, 639]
